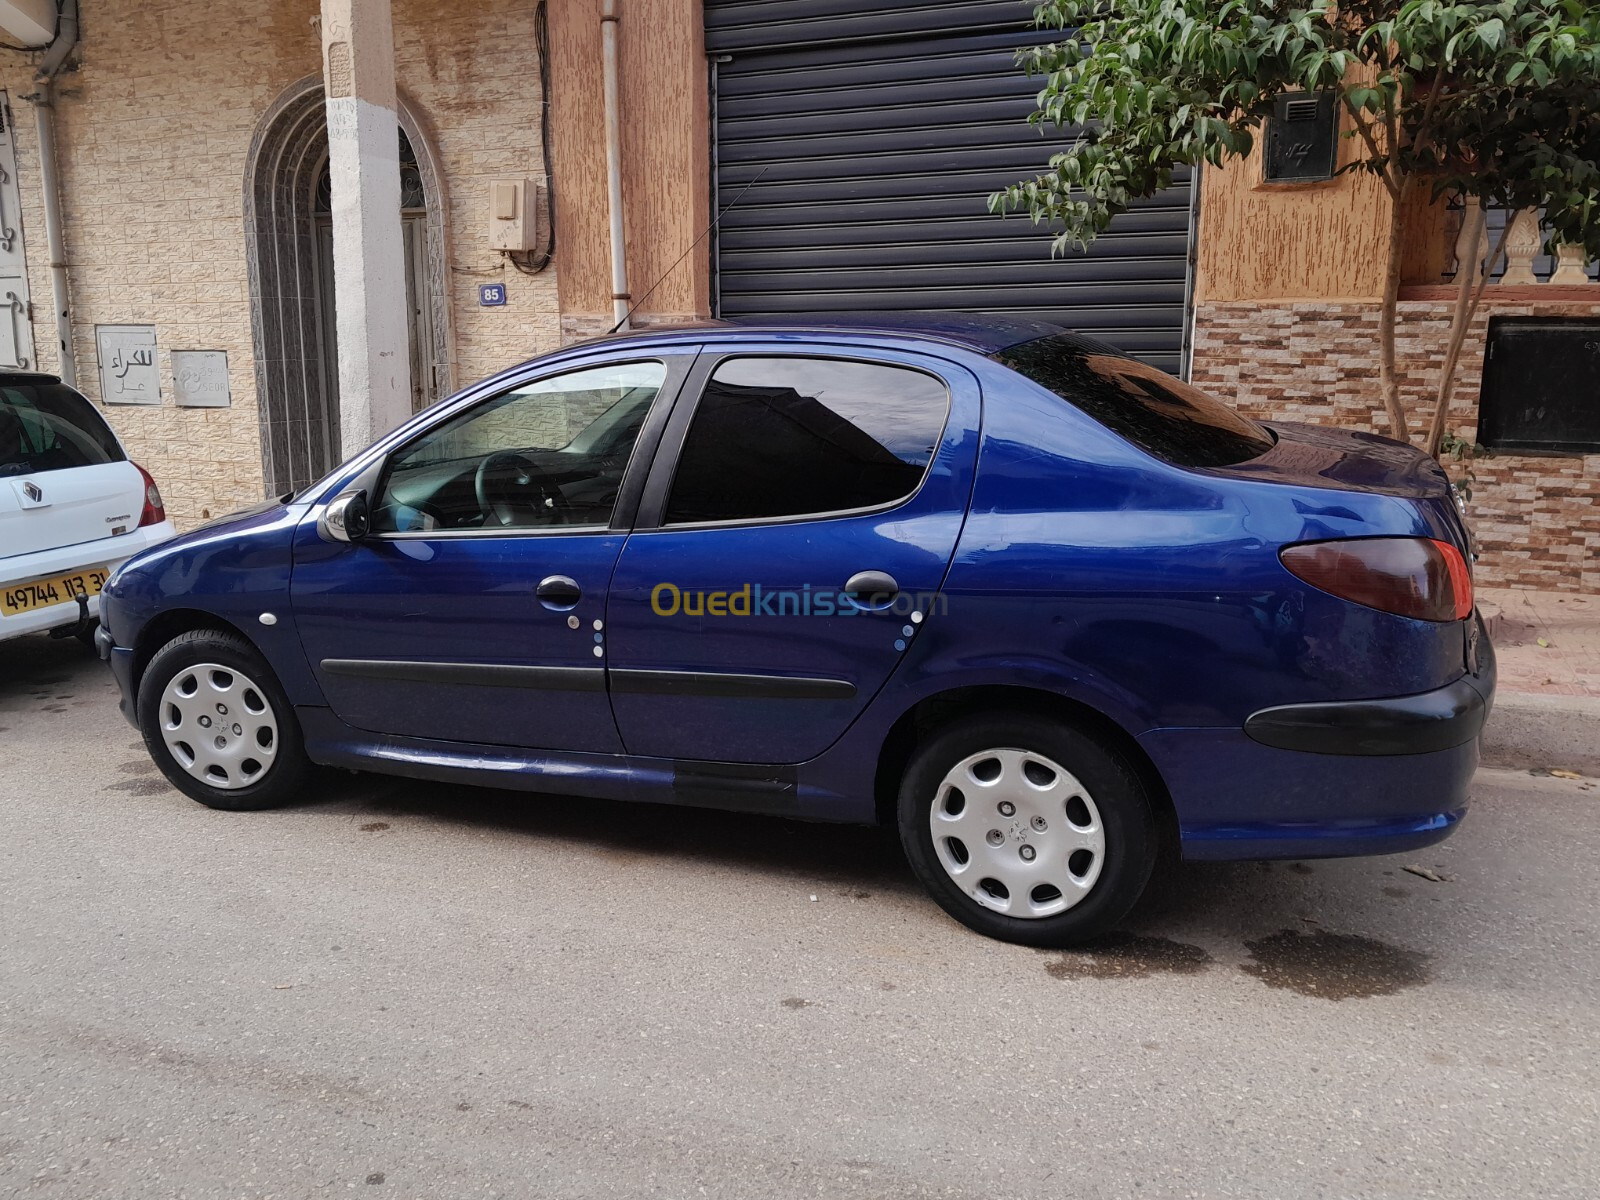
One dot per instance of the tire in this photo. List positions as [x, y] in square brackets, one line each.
[214, 685]
[1070, 858]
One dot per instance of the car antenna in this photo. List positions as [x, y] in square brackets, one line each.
[686, 253]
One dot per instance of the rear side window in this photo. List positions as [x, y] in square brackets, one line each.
[1161, 415]
[49, 427]
[789, 437]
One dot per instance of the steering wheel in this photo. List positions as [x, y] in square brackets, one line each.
[512, 490]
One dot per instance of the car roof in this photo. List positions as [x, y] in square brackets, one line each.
[971, 331]
[12, 375]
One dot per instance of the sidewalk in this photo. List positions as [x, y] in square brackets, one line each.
[1547, 708]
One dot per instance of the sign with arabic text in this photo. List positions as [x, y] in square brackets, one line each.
[200, 378]
[128, 371]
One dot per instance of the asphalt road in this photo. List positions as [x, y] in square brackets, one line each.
[419, 991]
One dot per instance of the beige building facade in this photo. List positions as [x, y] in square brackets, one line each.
[156, 130]
[195, 184]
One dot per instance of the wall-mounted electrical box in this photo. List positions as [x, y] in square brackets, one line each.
[513, 214]
[1302, 138]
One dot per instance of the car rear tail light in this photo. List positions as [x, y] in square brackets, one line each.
[1412, 577]
[154, 511]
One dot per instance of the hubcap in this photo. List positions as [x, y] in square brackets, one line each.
[218, 725]
[1018, 833]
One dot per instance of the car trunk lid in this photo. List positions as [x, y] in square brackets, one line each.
[50, 509]
[1352, 460]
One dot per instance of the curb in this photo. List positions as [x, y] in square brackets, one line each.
[1527, 730]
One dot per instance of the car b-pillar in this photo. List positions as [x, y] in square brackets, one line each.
[368, 252]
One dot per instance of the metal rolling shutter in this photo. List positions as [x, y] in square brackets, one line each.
[882, 132]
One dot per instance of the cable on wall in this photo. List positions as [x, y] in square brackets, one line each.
[531, 262]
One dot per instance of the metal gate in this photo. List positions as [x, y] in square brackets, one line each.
[877, 135]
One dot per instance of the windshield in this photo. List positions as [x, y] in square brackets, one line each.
[49, 427]
[1161, 415]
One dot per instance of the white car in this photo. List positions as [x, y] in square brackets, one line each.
[72, 507]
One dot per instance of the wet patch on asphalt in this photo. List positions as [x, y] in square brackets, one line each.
[1128, 956]
[374, 827]
[1335, 966]
[795, 1002]
[137, 767]
[146, 786]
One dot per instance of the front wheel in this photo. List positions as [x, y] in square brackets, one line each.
[1026, 829]
[218, 725]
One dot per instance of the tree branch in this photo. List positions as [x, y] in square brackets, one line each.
[1425, 134]
[1499, 249]
[1391, 129]
[1372, 145]
[1465, 310]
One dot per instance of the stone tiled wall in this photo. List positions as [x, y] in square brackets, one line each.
[153, 136]
[1537, 517]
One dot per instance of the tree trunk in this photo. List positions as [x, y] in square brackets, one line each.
[1388, 380]
[1467, 272]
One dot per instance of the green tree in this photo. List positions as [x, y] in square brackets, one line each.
[1498, 101]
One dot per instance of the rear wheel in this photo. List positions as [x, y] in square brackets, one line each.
[1026, 829]
[219, 726]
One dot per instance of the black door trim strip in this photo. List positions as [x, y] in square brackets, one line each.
[566, 679]
[712, 683]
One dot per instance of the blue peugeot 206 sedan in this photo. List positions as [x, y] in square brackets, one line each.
[1041, 605]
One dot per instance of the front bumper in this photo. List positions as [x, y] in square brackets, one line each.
[120, 660]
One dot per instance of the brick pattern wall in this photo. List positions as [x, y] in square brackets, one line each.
[1537, 517]
[153, 134]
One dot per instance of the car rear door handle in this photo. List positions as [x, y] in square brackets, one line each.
[559, 592]
[872, 590]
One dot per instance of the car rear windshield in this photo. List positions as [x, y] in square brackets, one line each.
[1161, 415]
[49, 427]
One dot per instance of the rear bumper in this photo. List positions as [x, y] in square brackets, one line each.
[1329, 780]
[108, 552]
[1238, 799]
[1422, 724]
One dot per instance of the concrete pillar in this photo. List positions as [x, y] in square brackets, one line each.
[369, 287]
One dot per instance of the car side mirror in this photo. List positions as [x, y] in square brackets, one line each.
[346, 518]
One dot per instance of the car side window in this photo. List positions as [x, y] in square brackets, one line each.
[786, 437]
[544, 454]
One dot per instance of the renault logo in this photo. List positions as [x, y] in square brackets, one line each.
[31, 489]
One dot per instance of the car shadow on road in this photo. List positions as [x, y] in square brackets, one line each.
[35, 669]
[853, 856]
[1218, 899]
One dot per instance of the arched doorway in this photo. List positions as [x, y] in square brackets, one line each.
[288, 227]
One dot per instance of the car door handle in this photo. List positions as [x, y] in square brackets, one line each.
[558, 592]
[872, 590]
